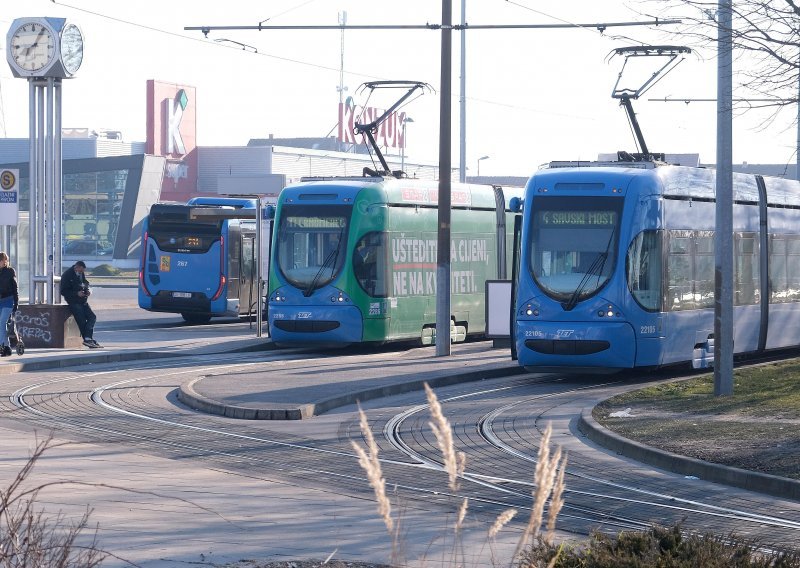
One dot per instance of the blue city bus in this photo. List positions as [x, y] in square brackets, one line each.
[616, 267]
[199, 260]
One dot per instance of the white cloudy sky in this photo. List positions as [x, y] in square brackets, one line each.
[532, 95]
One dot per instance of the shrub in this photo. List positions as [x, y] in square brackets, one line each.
[31, 539]
[668, 547]
[105, 270]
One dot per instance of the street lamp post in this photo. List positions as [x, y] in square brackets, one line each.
[406, 120]
[479, 163]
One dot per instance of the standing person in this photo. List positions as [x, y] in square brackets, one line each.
[9, 301]
[76, 291]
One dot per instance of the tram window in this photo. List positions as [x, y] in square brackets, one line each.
[747, 270]
[679, 272]
[777, 270]
[704, 270]
[643, 269]
[369, 264]
[690, 270]
[793, 269]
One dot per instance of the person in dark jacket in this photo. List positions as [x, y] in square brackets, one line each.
[9, 301]
[75, 289]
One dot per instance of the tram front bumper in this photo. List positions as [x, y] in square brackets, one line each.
[584, 345]
[315, 325]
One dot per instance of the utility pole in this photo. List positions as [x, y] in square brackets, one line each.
[723, 243]
[341, 88]
[462, 154]
[443, 210]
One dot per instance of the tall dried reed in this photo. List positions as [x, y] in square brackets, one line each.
[548, 480]
[372, 466]
[544, 480]
[453, 463]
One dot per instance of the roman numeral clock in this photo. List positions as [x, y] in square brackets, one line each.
[44, 47]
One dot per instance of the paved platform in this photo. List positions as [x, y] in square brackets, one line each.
[319, 382]
[316, 384]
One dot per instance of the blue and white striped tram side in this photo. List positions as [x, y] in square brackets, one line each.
[616, 267]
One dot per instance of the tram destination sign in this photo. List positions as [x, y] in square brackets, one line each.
[577, 218]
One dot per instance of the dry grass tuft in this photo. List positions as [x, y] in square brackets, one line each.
[556, 501]
[372, 466]
[444, 437]
[544, 480]
[502, 520]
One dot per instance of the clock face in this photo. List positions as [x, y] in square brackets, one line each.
[32, 46]
[71, 48]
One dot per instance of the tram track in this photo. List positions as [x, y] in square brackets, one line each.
[108, 405]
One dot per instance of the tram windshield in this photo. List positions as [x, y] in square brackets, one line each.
[574, 245]
[310, 246]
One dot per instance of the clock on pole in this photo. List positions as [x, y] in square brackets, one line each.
[45, 51]
[44, 47]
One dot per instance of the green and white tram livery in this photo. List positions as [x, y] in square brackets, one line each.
[354, 259]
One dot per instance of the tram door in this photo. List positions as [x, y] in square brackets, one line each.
[248, 296]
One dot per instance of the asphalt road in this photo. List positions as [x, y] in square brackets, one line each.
[131, 410]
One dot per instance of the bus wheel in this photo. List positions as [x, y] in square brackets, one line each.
[196, 318]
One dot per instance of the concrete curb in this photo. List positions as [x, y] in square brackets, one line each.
[96, 358]
[744, 479]
[191, 398]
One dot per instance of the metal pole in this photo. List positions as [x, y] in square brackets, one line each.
[797, 148]
[48, 193]
[462, 155]
[58, 199]
[403, 149]
[33, 171]
[259, 282]
[443, 246]
[40, 193]
[723, 243]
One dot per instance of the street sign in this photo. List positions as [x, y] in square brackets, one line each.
[9, 197]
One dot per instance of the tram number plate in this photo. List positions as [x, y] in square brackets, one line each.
[181, 294]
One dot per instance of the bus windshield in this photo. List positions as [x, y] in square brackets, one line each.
[573, 245]
[310, 246]
[173, 231]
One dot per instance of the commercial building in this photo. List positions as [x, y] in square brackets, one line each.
[109, 184]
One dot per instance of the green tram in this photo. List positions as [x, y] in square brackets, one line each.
[354, 259]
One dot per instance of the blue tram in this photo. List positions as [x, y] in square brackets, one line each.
[616, 267]
[200, 267]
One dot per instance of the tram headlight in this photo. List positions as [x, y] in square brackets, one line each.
[608, 311]
[339, 298]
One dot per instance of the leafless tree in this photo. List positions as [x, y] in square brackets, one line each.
[766, 38]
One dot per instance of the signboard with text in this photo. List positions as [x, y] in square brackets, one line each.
[172, 133]
[9, 197]
[390, 132]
